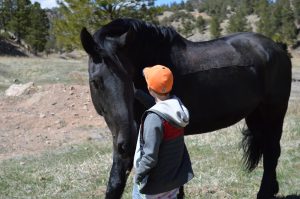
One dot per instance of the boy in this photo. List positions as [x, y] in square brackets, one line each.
[161, 161]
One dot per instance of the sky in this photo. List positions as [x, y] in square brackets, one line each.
[52, 3]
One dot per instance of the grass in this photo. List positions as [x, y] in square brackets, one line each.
[78, 171]
[296, 62]
[42, 71]
[218, 170]
[81, 171]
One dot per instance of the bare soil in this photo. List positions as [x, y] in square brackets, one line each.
[49, 117]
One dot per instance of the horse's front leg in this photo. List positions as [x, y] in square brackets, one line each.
[118, 176]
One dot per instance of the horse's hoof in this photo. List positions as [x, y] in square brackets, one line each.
[269, 193]
[261, 195]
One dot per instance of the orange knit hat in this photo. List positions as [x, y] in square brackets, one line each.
[159, 78]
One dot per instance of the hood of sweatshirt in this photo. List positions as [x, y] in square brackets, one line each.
[173, 111]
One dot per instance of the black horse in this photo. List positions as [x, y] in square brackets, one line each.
[222, 81]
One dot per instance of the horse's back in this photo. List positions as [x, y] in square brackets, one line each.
[230, 77]
[273, 61]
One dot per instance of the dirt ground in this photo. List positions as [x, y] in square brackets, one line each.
[55, 115]
[49, 116]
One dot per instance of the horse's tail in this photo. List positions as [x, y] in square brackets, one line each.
[252, 147]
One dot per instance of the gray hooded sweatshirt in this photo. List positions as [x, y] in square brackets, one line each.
[161, 160]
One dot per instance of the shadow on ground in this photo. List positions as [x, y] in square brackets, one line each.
[293, 196]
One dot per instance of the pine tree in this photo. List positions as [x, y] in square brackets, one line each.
[20, 19]
[189, 6]
[93, 14]
[296, 6]
[214, 28]
[248, 6]
[200, 24]
[237, 22]
[266, 23]
[6, 12]
[188, 27]
[73, 15]
[38, 30]
[288, 30]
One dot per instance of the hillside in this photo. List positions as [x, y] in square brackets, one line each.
[178, 21]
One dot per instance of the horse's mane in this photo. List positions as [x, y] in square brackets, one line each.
[119, 26]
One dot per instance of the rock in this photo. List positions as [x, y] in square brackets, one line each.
[16, 81]
[18, 89]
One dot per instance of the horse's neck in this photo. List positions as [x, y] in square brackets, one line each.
[172, 53]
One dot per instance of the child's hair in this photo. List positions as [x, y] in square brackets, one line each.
[159, 79]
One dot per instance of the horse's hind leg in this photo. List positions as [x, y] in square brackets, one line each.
[271, 151]
[265, 126]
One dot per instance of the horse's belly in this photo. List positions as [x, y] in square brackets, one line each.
[219, 98]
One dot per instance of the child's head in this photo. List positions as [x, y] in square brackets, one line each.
[159, 79]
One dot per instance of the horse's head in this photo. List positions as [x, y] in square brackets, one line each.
[111, 88]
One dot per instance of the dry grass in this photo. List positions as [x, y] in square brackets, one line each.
[42, 71]
[78, 171]
[296, 60]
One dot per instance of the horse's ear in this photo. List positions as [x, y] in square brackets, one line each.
[126, 38]
[88, 43]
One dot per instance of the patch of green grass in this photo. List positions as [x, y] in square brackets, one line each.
[73, 172]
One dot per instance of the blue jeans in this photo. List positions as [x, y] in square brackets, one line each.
[136, 192]
[169, 194]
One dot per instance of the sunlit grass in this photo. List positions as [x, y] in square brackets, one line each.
[42, 71]
[78, 171]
